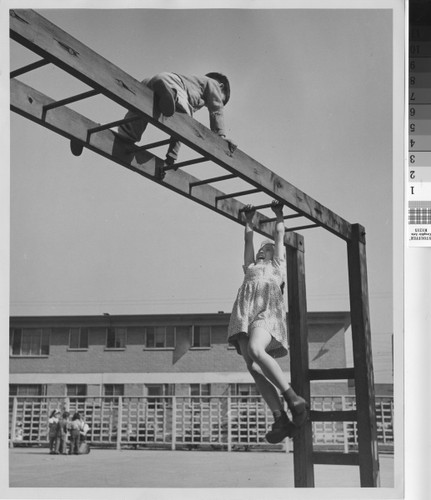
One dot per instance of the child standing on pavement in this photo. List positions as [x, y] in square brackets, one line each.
[63, 426]
[75, 434]
[184, 94]
[258, 329]
[53, 430]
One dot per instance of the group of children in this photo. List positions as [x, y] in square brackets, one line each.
[62, 429]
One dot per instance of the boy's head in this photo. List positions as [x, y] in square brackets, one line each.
[224, 84]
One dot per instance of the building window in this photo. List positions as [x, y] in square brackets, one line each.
[160, 389]
[78, 338]
[112, 391]
[29, 342]
[200, 389]
[159, 337]
[27, 390]
[76, 390]
[116, 338]
[243, 390]
[201, 336]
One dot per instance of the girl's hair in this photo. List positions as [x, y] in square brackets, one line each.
[54, 412]
[267, 242]
[76, 416]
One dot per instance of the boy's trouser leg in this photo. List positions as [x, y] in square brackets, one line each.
[174, 147]
[133, 130]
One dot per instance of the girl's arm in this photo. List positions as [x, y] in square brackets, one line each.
[248, 236]
[277, 208]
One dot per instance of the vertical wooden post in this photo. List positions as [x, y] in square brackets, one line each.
[362, 356]
[174, 422]
[297, 301]
[13, 423]
[119, 422]
[229, 424]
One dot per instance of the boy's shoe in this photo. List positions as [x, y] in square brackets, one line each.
[76, 147]
[281, 428]
[165, 98]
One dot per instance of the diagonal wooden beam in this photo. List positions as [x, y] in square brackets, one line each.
[31, 104]
[46, 39]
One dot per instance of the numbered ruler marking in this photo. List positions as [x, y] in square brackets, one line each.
[419, 129]
[421, 174]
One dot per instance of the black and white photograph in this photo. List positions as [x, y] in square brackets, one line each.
[204, 251]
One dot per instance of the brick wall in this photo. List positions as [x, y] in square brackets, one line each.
[326, 336]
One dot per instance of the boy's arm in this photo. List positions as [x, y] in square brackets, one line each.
[214, 102]
[279, 230]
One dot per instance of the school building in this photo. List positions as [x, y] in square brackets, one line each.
[156, 378]
[148, 355]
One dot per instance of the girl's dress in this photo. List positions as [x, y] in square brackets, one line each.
[260, 303]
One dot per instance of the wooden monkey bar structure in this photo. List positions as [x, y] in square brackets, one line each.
[57, 47]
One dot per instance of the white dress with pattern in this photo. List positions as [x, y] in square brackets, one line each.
[260, 303]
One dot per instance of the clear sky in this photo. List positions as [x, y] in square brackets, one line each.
[312, 100]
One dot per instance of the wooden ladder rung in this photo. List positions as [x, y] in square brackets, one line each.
[331, 374]
[185, 163]
[69, 100]
[285, 217]
[238, 193]
[334, 416]
[258, 207]
[152, 145]
[212, 179]
[298, 228]
[334, 458]
[29, 67]
[109, 125]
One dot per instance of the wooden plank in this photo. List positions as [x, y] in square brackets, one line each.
[331, 374]
[333, 416]
[362, 358]
[298, 340]
[31, 104]
[333, 458]
[44, 38]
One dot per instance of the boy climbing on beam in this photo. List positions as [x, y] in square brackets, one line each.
[184, 94]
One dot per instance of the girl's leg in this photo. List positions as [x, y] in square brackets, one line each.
[265, 387]
[259, 341]
[282, 426]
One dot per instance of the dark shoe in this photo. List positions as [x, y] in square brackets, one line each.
[170, 162]
[165, 98]
[76, 147]
[281, 428]
[299, 412]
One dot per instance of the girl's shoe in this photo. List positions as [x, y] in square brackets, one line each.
[299, 412]
[281, 428]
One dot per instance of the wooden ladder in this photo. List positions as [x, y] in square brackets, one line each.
[362, 372]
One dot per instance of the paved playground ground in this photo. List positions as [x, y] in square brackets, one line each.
[102, 468]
